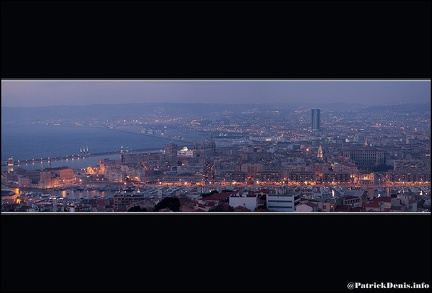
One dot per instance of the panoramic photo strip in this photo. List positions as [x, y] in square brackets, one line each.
[240, 146]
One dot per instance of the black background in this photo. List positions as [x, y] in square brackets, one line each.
[224, 39]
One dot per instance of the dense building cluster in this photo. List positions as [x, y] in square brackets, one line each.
[374, 154]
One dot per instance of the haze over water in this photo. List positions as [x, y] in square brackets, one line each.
[24, 142]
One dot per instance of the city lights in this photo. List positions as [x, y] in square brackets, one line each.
[327, 155]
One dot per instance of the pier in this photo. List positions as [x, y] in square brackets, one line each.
[155, 135]
[85, 154]
[77, 156]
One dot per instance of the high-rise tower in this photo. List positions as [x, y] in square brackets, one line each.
[171, 152]
[316, 123]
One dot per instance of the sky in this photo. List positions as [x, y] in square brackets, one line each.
[31, 93]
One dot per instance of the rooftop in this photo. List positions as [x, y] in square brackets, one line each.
[241, 209]
[382, 199]
[218, 196]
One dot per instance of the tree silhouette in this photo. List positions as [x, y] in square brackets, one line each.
[382, 168]
[173, 203]
[137, 209]
[222, 208]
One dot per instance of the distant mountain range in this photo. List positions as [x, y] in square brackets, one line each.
[120, 111]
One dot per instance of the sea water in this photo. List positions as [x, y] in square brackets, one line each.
[35, 141]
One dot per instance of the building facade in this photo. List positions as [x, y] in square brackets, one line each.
[283, 200]
[245, 199]
[365, 157]
[316, 119]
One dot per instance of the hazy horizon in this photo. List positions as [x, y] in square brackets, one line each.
[313, 105]
[41, 93]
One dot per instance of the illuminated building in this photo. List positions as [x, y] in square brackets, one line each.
[269, 176]
[301, 176]
[48, 179]
[101, 166]
[185, 152]
[10, 164]
[320, 154]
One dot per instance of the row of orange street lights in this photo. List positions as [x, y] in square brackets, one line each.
[292, 183]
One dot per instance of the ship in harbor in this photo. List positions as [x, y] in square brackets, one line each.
[84, 151]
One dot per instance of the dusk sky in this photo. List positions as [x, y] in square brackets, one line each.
[31, 93]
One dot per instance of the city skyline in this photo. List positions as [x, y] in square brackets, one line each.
[217, 158]
[35, 93]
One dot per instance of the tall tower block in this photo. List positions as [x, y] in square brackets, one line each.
[316, 120]
[171, 153]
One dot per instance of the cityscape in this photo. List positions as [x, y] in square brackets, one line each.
[229, 158]
[254, 146]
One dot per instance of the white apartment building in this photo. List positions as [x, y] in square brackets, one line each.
[244, 199]
[283, 200]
